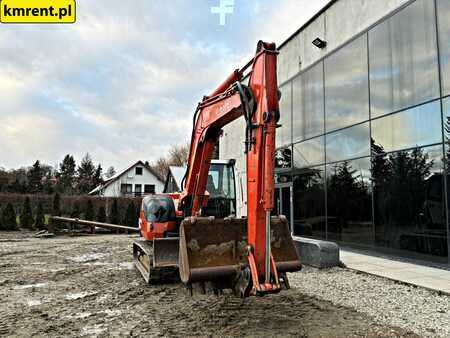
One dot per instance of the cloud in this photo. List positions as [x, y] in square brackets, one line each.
[123, 82]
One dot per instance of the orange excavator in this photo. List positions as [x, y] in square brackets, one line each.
[249, 255]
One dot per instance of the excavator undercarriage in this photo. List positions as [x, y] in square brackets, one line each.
[157, 260]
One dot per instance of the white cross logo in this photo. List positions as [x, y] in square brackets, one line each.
[225, 7]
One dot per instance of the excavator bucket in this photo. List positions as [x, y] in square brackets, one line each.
[157, 261]
[214, 249]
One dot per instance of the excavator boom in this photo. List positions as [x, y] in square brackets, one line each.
[259, 250]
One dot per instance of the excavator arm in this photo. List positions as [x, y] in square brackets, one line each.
[217, 254]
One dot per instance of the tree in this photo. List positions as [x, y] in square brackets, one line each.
[9, 219]
[39, 221]
[35, 178]
[161, 167]
[86, 171]
[380, 170]
[177, 156]
[47, 184]
[56, 210]
[406, 189]
[26, 217]
[4, 180]
[347, 194]
[98, 179]
[101, 214]
[110, 172]
[114, 215]
[18, 186]
[18, 180]
[66, 175]
[89, 213]
[399, 189]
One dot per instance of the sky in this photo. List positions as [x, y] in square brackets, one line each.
[122, 82]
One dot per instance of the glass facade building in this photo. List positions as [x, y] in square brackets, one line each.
[363, 150]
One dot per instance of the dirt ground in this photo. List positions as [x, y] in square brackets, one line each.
[87, 286]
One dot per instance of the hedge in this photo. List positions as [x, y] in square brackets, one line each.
[69, 204]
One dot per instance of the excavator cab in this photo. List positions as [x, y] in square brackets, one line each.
[158, 217]
[221, 188]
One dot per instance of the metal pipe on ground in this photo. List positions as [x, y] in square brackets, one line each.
[93, 224]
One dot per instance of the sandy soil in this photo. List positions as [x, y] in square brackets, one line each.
[87, 286]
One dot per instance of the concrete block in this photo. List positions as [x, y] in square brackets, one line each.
[317, 253]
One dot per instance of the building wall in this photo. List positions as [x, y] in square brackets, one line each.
[232, 147]
[114, 189]
[363, 145]
[338, 24]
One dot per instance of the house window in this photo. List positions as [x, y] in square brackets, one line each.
[138, 189]
[126, 188]
[138, 170]
[149, 189]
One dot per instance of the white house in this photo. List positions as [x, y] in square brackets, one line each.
[137, 180]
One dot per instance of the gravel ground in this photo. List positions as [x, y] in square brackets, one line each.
[413, 308]
[87, 286]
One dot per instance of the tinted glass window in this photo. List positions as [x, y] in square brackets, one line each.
[346, 85]
[159, 209]
[403, 59]
[443, 11]
[349, 198]
[220, 181]
[309, 202]
[308, 118]
[283, 134]
[348, 143]
[446, 122]
[409, 215]
[410, 128]
[309, 153]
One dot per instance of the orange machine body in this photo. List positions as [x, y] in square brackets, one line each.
[159, 226]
